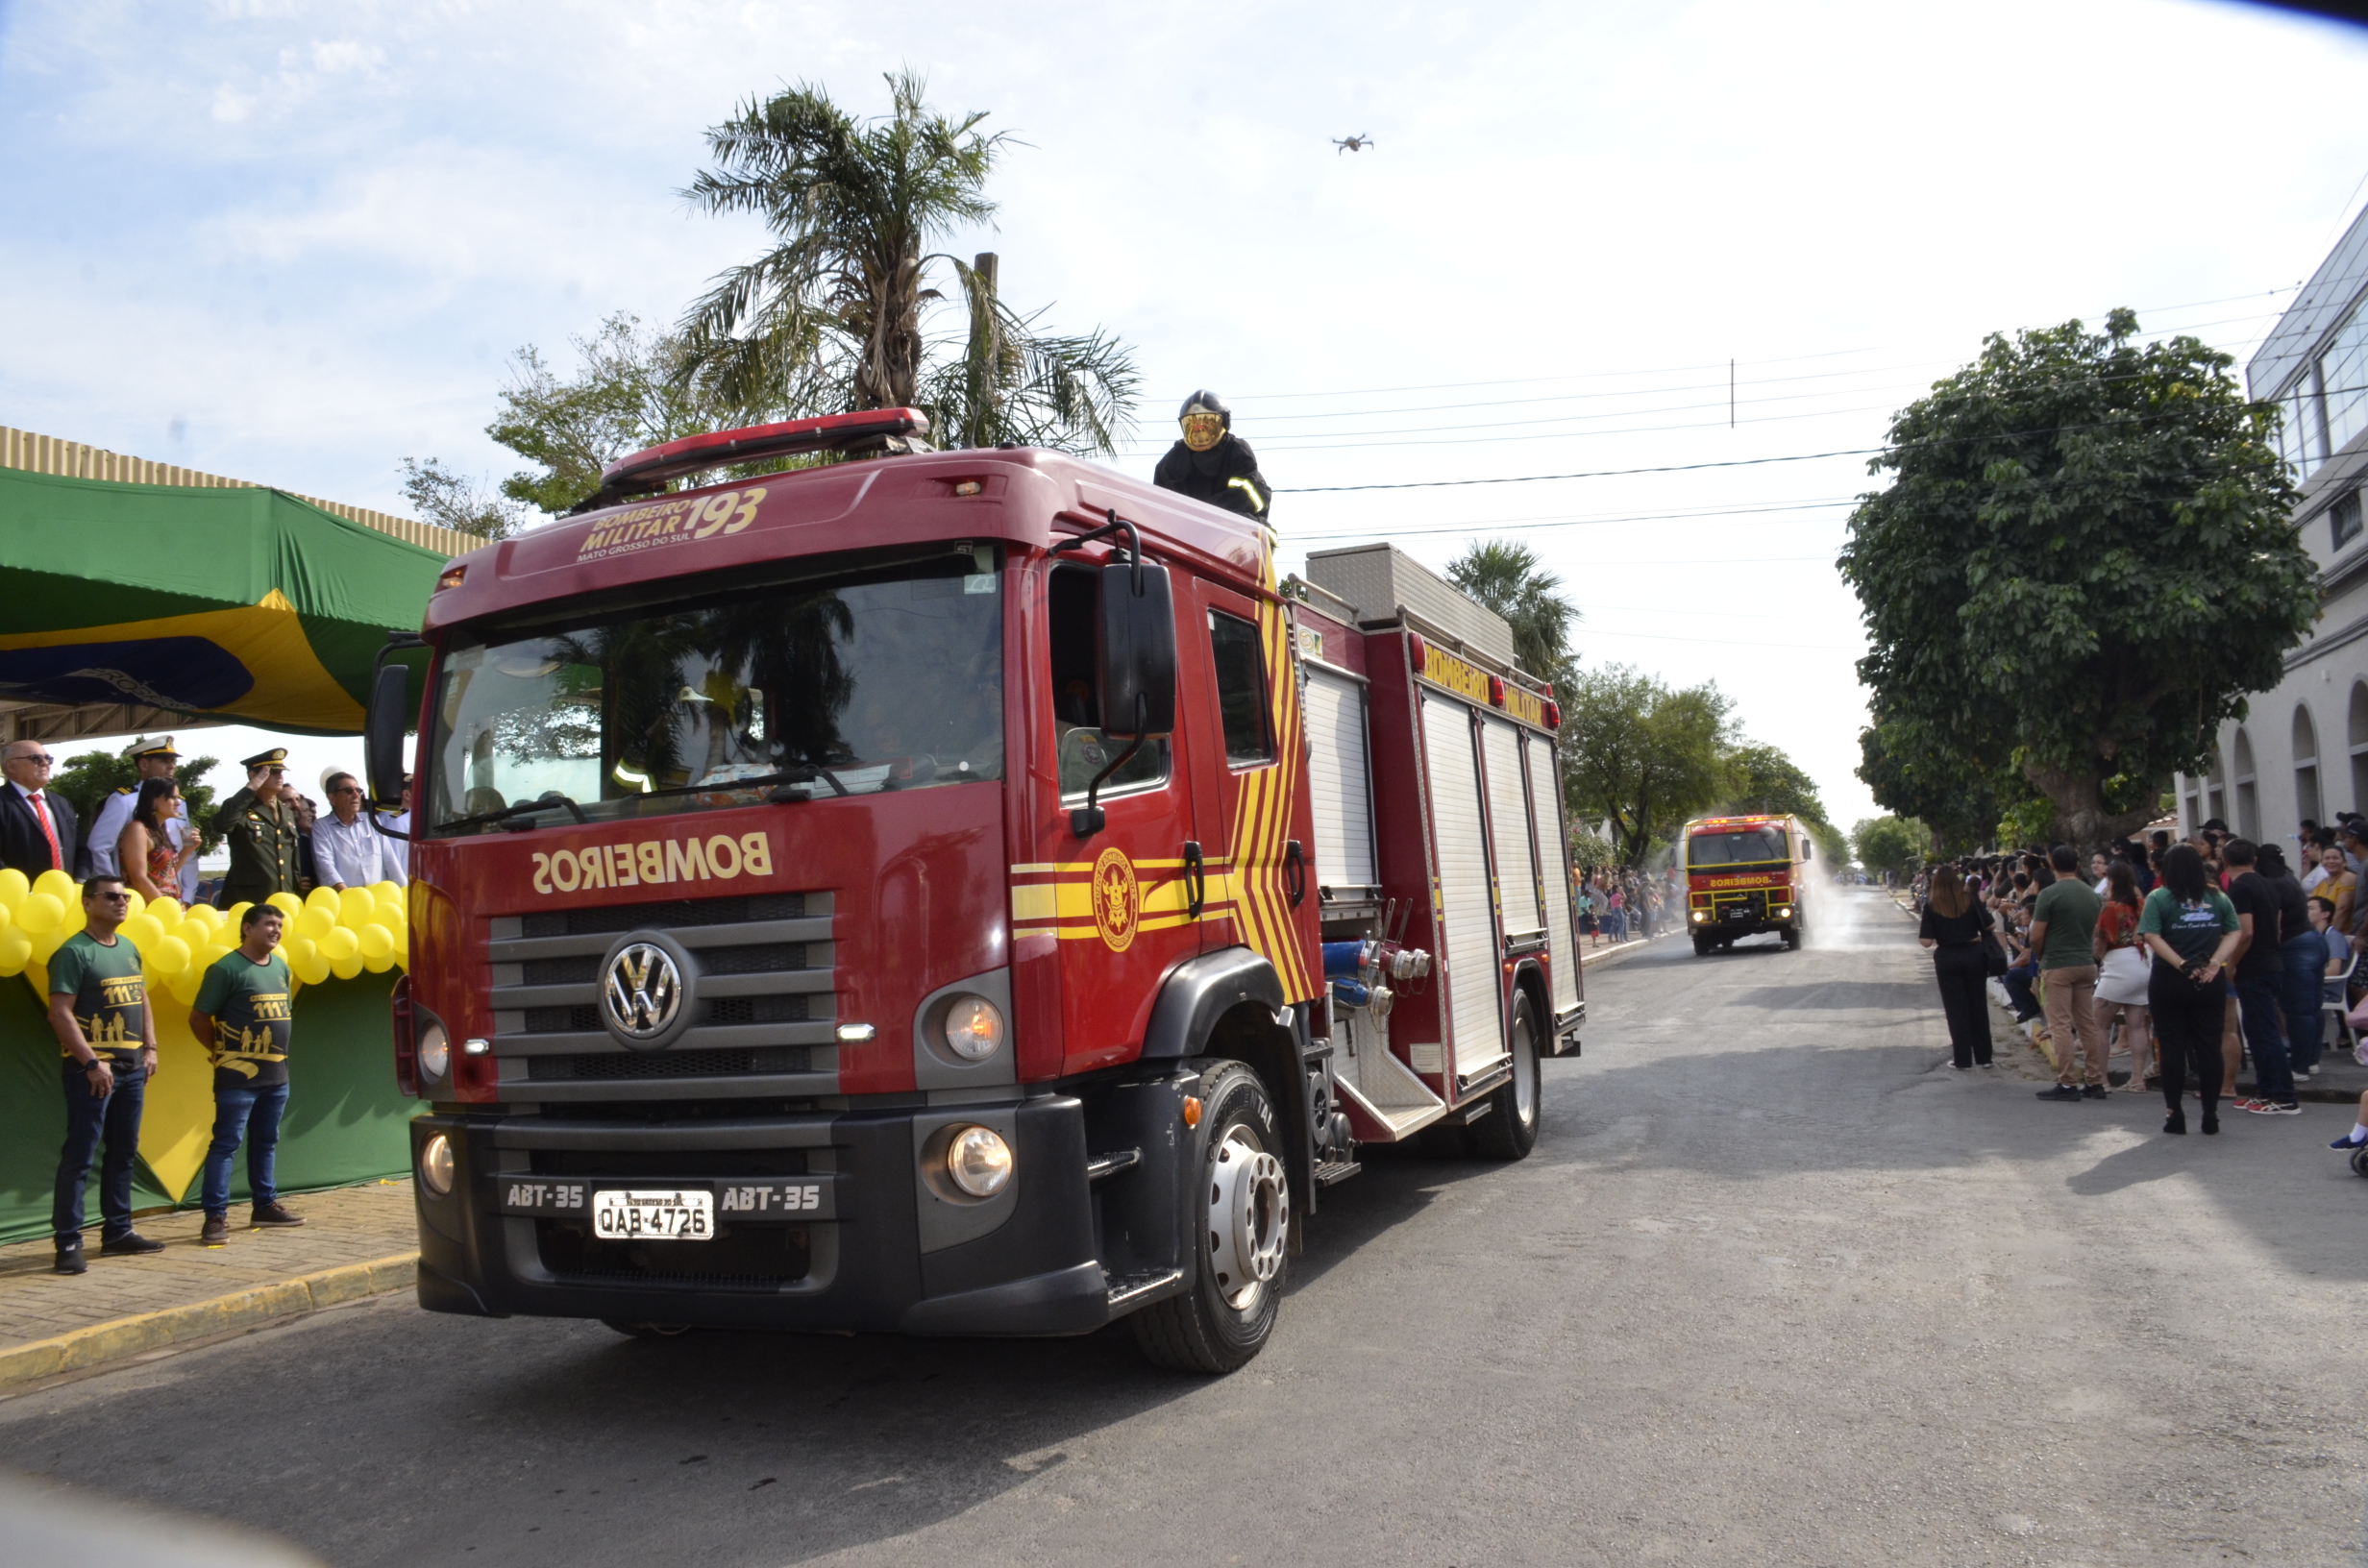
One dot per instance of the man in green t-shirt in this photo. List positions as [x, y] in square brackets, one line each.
[2063, 930]
[242, 1018]
[98, 1007]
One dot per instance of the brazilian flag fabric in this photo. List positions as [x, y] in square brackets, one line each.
[245, 604]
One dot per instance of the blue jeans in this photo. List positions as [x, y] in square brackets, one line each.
[2256, 1003]
[2018, 989]
[2305, 1025]
[254, 1114]
[88, 1119]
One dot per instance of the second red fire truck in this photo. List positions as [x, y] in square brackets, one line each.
[957, 893]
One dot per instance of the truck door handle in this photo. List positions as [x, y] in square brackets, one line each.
[1295, 872]
[1196, 877]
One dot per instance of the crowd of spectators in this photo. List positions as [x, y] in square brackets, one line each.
[1621, 903]
[2189, 956]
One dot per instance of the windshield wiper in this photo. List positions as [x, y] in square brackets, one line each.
[549, 800]
[805, 775]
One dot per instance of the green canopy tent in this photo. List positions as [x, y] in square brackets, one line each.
[231, 604]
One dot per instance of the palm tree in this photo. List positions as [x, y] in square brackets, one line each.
[831, 317]
[1507, 578]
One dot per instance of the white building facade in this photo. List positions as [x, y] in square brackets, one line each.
[2302, 749]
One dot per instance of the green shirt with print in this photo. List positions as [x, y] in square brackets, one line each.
[110, 1000]
[2070, 910]
[2193, 930]
[249, 1005]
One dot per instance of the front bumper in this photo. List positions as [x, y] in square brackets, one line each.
[1742, 917]
[889, 1254]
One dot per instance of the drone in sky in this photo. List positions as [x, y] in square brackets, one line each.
[1352, 144]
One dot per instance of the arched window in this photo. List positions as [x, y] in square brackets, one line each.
[2216, 789]
[2356, 739]
[2306, 765]
[2247, 791]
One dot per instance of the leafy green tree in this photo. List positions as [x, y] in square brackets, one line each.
[832, 316]
[453, 500]
[2082, 562]
[1896, 844]
[89, 779]
[1641, 755]
[1590, 850]
[1507, 578]
[1761, 778]
[626, 395]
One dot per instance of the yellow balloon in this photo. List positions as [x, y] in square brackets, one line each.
[326, 897]
[286, 903]
[137, 901]
[315, 922]
[296, 949]
[348, 966]
[340, 943]
[237, 912]
[214, 955]
[169, 956]
[184, 986]
[384, 890]
[48, 942]
[14, 886]
[354, 904]
[315, 972]
[168, 911]
[6, 919]
[144, 932]
[39, 914]
[58, 886]
[377, 942]
[16, 947]
[37, 970]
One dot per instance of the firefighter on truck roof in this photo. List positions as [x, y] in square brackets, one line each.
[1211, 463]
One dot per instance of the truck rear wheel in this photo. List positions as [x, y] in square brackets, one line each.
[1510, 1129]
[1241, 1212]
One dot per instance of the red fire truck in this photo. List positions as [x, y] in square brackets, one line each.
[1745, 875]
[950, 892]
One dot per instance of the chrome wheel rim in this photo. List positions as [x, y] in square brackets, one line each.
[1249, 1218]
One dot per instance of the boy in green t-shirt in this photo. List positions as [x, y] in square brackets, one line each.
[98, 1007]
[243, 1019]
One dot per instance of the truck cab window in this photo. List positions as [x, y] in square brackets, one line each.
[1076, 699]
[1241, 690]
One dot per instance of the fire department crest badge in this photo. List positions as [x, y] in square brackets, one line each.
[1118, 899]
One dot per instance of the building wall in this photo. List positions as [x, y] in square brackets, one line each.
[2301, 748]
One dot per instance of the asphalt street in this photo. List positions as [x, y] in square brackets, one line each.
[1777, 1286]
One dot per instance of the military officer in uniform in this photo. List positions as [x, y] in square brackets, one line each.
[261, 826]
[1212, 464]
[151, 757]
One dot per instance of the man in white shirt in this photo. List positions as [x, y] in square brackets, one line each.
[151, 757]
[401, 822]
[348, 850]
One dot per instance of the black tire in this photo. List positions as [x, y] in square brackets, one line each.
[647, 1331]
[2360, 1160]
[1221, 1322]
[1510, 1129]
[1701, 945]
[1792, 937]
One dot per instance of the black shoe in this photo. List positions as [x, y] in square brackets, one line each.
[129, 1244]
[272, 1213]
[70, 1259]
[2212, 1123]
[216, 1232]
[2061, 1092]
[2093, 1091]
[2174, 1122]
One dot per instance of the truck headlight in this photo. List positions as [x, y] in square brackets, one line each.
[974, 1030]
[1701, 914]
[435, 1050]
[436, 1165]
[978, 1162]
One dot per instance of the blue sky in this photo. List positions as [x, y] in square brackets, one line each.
[296, 244]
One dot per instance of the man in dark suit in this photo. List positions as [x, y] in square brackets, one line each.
[37, 828]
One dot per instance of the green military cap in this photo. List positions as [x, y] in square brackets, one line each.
[150, 746]
[276, 757]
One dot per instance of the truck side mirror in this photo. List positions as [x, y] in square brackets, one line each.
[1135, 644]
[1806, 847]
[383, 735]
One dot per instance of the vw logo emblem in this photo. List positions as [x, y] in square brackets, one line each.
[642, 991]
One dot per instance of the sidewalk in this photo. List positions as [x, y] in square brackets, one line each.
[356, 1242]
[1592, 959]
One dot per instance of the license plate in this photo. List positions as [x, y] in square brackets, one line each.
[1738, 912]
[646, 1215]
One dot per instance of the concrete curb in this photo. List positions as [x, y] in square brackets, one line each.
[1594, 959]
[125, 1337]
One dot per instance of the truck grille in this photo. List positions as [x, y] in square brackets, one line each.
[763, 1019]
[669, 1162]
[750, 1258]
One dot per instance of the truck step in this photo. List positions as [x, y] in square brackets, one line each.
[1103, 1165]
[1333, 1172]
[1133, 1288]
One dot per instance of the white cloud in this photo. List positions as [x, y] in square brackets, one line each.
[229, 105]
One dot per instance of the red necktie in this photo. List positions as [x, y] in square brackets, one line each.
[49, 830]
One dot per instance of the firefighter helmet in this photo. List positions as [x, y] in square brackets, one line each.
[1205, 419]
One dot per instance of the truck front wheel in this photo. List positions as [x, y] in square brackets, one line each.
[1242, 1214]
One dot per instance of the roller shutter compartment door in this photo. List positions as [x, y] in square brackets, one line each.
[1554, 854]
[1468, 925]
[1337, 778]
[1509, 831]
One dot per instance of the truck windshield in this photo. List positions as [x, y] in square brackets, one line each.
[1751, 845]
[887, 679]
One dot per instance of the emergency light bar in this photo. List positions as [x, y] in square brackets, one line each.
[831, 433]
